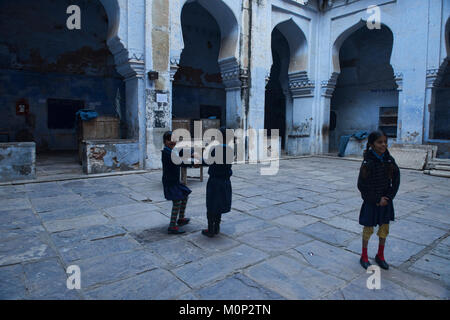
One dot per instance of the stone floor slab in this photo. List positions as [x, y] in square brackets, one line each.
[18, 219]
[427, 287]
[331, 260]
[297, 206]
[177, 251]
[274, 239]
[295, 221]
[66, 238]
[218, 243]
[415, 232]
[129, 209]
[357, 290]
[23, 249]
[199, 273]
[324, 232]
[69, 213]
[345, 224]
[237, 287]
[153, 285]
[75, 223]
[102, 270]
[269, 213]
[434, 267]
[104, 247]
[12, 282]
[328, 210]
[143, 220]
[261, 201]
[241, 225]
[292, 279]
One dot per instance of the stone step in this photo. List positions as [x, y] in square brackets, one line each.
[438, 173]
[440, 162]
[441, 167]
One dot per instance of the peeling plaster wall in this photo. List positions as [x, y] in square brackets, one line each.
[17, 161]
[41, 59]
[109, 156]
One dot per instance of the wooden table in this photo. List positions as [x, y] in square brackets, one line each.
[184, 175]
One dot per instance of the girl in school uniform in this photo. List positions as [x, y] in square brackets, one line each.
[218, 188]
[174, 190]
[378, 182]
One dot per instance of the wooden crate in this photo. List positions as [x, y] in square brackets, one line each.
[102, 127]
[181, 124]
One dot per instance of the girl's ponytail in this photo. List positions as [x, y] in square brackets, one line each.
[367, 148]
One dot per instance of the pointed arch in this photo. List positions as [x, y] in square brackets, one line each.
[228, 24]
[298, 45]
[112, 9]
[336, 68]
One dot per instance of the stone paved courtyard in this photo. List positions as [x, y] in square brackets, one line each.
[294, 235]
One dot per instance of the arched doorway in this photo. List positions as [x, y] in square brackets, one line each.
[277, 88]
[55, 72]
[366, 96]
[198, 90]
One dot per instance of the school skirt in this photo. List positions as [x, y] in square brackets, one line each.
[372, 215]
[176, 191]
[218, 195]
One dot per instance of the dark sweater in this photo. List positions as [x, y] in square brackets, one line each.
[222, 171]
[171, 171]
[378, 177]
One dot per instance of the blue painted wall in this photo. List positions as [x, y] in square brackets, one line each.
[41, 59]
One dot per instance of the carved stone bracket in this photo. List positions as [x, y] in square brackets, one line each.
[244, 77]
[232, 74]
[174, 66]
[300, 85]
[267, 78]
[435, 76]
[398, 78]
[328, 86]
[128, 67]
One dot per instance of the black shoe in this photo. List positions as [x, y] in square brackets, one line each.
[364, 264]
[383, 264]
[217, 228]
[183, 221]
[175, 230]
[207, 233]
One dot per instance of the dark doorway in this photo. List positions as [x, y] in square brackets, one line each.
[366, 96]
[275, 99]
[198, 91]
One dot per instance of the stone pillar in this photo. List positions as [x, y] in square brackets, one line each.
[259, 64]
[428, 125]
[133, 70]
[323, 121]
[302, 92]
[231, 77]
[135, 106]
[398, 77]
[159, 93]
